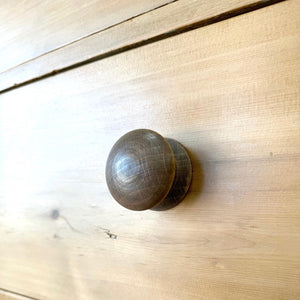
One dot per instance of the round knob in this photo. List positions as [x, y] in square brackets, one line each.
[146, 171]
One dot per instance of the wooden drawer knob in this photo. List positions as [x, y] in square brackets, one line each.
[146, 171]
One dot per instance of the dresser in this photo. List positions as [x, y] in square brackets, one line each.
[220, 77]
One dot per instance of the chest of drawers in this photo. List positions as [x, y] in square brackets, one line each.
[227, 87]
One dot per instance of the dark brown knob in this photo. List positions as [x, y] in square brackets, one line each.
[146, 171]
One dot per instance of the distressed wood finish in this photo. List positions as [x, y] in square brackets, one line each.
[159, 23]
[230, 93]
[32, 28]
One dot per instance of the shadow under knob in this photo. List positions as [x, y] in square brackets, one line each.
[146, 171]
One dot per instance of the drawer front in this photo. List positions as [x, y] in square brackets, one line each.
[229, 92]
[33, 28]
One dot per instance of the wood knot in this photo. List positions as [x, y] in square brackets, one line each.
[54, 214]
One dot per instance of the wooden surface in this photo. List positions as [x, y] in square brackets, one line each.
[155, 24]
[31, 28]
[230, 93]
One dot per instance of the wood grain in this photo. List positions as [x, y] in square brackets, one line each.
[31, 28]
[159, 23]
[230, 93]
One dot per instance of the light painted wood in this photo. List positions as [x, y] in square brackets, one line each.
[31, 28]
[230, 93]
[164, 20]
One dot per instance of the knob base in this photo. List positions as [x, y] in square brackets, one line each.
[182, 180]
